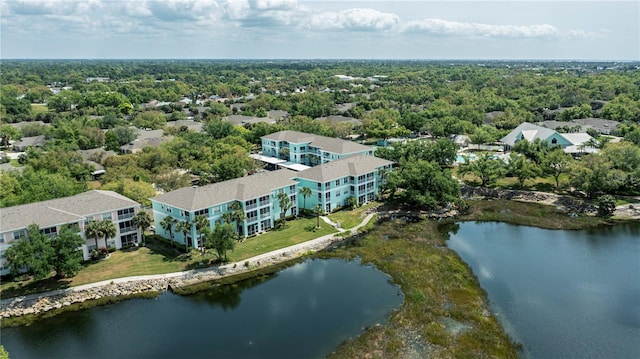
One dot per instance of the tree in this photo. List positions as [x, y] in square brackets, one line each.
[352, 202]
[556, 163]
[606, 206]
[484, 167]
[67, 256]
[33, 254]
[319, 211]
[8, 133]
[285, 204]
[218, 128]
[142, 220]
[222, 239]
[150, 119]
[119, 136]
[185, 228]
[594, 174]
[167, 224]
[108, 229]
[522, 168]
[305, 192]
[235, 213]
[383, 123]
[201, 223]
[93, 229]
[425, 184]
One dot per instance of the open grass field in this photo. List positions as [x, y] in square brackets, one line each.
[37, 108]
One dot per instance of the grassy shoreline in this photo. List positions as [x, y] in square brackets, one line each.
[445, 313]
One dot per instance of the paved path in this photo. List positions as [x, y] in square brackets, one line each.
[278, 255]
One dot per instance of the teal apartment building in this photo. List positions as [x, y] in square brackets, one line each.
[309, 149]
[257, 194]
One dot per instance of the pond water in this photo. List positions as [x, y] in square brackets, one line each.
[562, 294]
[303, 311]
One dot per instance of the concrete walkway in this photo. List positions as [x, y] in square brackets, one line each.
[210, 273]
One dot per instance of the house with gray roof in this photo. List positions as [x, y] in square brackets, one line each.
[241, 120]
[146, 138]
[336, 119]
[309, 149]
[571, 143]
[25, 142]
[76, 211]
[256, 194]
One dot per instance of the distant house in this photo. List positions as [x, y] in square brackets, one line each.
[35, 141]
[600, 125]
[571, 143]
[146, 138]
[240, 120]
[192, 125]
[277, 114]
[75, 210]
[93, 157]
[309, 149]
[340, 119]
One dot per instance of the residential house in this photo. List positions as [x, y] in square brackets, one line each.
[75, 210]
[309, 149]
[25, 142]
[146, 138]
[277, 115]
[573, 143]
[257, 194]
[338, 119]
[333, 183]
[241, 120]
[600, 125]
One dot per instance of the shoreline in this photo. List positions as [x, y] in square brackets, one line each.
[36, 305]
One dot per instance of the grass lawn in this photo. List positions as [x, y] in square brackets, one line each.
[37, 108]
[543, 184]
[158, 257]
[297, 231]
[351, 218]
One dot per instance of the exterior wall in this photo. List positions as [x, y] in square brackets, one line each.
[125, 232]
[305, 154]
[334, 194]
[559, 140]
[260, 213]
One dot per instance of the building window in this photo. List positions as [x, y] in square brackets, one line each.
[17, 235]
[50, 231]
[127, 226]
[319, 196]
[554, 141]
[202, 212]
[319, 186]
[252, 229]
[252, 203]
[327, 195]
[266, 224]
[106, 216]
[126, 213]
[216, 210]
[2, 238]
[265, 211]
[264, 200]
[337, 183]
[252, 216]
[292, 189]
[345, 180]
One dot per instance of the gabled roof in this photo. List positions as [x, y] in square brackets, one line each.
[528, 131]
[62, 210]
[329, 144]
[350, 166]
[240, 189]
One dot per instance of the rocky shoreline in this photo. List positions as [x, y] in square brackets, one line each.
[131, 286]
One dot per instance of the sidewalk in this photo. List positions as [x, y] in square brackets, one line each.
[204, 274]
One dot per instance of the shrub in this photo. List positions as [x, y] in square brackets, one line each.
[606, 206]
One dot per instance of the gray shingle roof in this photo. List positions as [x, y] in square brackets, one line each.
[241, 189]
[529, 131]
[330, 144]
[62, 210]
[350, 166]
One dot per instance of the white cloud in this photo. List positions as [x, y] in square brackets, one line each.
[471, 29]
[276, 4]
[354, 19]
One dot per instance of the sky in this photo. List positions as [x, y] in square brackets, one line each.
[299, 29]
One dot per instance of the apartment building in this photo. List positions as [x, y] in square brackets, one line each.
[78, 210]
[309, 149]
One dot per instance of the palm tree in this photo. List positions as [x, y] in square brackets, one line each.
[142, 221]
[201, 223]
[185, 228]
[285, 204]
[108, 230]
[93, 230]
[167, 224]
[305, 192]
[234, 213]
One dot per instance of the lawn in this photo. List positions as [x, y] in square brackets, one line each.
[37, 108]
[544, 184]
[351, 218]
[298, 231]
[159, 257]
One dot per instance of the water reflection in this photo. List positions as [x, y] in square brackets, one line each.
[569, 294]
